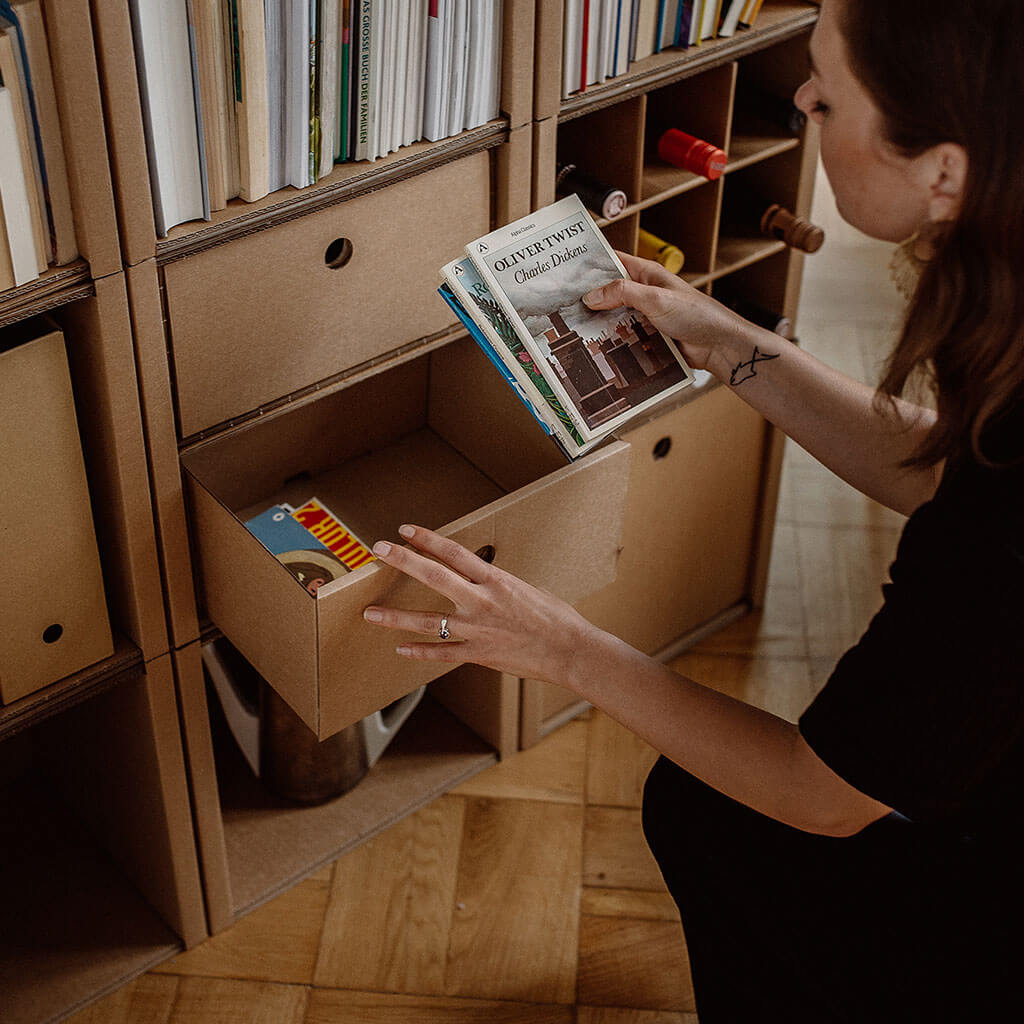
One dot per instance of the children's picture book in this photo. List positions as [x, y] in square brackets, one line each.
[310, 542]
[602, 368]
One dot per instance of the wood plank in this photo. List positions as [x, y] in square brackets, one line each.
[615, 851]
[329, 1006]
[617, 763]
[514, 933]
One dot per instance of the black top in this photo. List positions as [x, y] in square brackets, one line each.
[926, 712]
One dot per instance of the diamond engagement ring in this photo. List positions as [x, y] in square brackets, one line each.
[444, 632]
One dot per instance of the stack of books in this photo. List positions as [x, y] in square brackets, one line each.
[603, 37]
[583, 374]
[244, 97]
[36, 227]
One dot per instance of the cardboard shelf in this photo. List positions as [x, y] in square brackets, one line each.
[271, 844]
[346, 181]
[125, 663]
[57, 287]
[735, 253]
[72, 928]
[777, 22]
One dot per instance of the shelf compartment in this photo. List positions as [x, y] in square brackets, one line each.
[441, 441]
[689, 220]
[274, 312]
[778, 22]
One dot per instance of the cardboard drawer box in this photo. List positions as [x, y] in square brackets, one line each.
[440, 441]
[53, 612]
[269, 314]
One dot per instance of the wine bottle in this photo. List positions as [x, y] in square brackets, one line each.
[692, 154]
[746, 212]
[606, 200]
[651, 247]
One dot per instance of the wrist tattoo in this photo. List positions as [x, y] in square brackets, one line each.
[744, 371]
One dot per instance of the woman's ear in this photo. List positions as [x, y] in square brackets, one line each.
[945, 169]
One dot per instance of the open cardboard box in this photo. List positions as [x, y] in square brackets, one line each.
[440, 441]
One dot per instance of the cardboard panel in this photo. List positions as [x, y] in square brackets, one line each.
[547, 79]
[69, 32]
[267, 314]
[517, 61]
[202, 776]
[102, 359]
[513, 184]
[125, 132]
[255, 600]
[162, 452]
[131, 732]
[52, 602]
[487, 701]
[547, 76]
[545, 145]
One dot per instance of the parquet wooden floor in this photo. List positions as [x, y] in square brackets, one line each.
[528, 896]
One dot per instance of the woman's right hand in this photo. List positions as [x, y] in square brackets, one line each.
[701, 326]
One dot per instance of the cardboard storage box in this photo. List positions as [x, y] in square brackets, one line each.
[265, 315]
[52, 605]
[440, 441]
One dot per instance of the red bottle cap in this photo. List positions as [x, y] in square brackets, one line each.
[692, 154]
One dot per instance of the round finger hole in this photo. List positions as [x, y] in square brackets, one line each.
[486, 553]
[662, 448]
[53, 633]
[339, 252]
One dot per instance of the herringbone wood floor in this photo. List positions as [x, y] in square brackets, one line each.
[527, 896]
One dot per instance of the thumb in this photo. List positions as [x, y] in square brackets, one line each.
[608, 296]
[624, 292]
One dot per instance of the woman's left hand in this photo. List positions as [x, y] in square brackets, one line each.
[498, 620]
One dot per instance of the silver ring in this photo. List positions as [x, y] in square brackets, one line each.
[444, 632]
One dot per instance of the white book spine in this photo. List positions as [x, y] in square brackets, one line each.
[14, 198]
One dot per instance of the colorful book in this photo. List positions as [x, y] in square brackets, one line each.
[333, 534]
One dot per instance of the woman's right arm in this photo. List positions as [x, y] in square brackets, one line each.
[832, 416]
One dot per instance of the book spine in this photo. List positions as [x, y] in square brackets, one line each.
[363, 83]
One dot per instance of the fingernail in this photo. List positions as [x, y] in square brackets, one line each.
[403, 651]
[373, 615]
[595, 296]
[406, 531]
[382, 548]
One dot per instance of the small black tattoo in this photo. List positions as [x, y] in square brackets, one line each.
[758, 357]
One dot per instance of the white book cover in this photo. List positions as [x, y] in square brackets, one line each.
[609, 25]
[594, 41]
[646, 28]
[620, 64]
[415, 80]
[14, 199]
[172, 140]
[476, 54]
[458, 67]
[274, 14]
[572, 46]
[492, 108]
[669, 23]
[296, 92]
[400, 70]
[329, 45]
[697, 20]
[364, 57]
[608, 365]
[709, 22]
[439, 55]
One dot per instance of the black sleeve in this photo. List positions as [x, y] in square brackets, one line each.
[922, 712]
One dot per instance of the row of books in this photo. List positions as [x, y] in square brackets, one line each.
[36, 227]
[244, 97]
[603, 37]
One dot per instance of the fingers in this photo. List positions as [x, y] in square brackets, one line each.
[447, 580]
[649, 299]
[448, 552]
[650, 272]
[425, 623]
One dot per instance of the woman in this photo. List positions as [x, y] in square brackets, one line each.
[863, 864]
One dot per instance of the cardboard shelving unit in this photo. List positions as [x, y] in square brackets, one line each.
[97, 853]
[704, 472]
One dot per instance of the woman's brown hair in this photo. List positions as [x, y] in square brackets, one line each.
[953, 72]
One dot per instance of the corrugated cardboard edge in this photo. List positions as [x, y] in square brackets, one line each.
[162, 451]
[123, 108]
[202, 776]
[76, 83]
[517, 62]
[102, 359]
[547, 80]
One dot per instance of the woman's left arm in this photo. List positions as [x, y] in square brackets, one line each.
[502, 622]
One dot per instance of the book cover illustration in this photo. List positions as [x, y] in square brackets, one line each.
[469, 288]
[311, 562]
[604, 366]
[330, 531]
